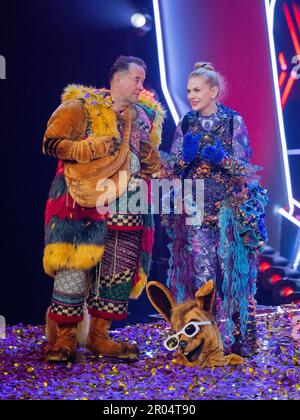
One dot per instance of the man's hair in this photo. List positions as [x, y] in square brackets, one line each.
[122, 64]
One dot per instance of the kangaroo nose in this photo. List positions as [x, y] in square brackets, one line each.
[183, 344]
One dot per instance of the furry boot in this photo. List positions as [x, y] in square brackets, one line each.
[63, 348]
[99, 342]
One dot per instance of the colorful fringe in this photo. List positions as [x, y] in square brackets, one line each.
[74, 236]
[238, 277]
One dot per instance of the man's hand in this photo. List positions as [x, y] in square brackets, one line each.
[102, 146]
[81, 152]
[145, 150]
[150, 158]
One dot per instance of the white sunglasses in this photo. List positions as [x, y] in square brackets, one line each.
[190, 330]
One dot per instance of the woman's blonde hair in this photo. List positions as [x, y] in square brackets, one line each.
[213, 78]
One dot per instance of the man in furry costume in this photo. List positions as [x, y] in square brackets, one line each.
[95, 134]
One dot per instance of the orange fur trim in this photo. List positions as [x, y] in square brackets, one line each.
[68, 257]
[138, 288]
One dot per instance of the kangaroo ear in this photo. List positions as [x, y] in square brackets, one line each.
[205, 296]
[161, 298]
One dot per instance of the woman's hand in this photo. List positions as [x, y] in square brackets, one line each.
[213, 154]
[190, 147]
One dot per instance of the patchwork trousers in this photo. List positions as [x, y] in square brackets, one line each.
[106, 288]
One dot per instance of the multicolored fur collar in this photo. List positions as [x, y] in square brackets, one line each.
[101, 97]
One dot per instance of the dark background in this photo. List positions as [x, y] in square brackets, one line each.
[47, 45]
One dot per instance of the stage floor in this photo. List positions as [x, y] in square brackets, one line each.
[273, 374]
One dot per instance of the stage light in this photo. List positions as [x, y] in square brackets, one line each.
[141, 21]
[271, 276]
[138, 20]
[286, 290]
[264, 266]
[275, 278]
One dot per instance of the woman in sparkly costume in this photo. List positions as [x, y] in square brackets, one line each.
[211, 143]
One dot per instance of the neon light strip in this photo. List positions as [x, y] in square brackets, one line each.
[161, 60]
[292, 28]
[294, 152]
[282, 79]
[282, 62]
[270, 5]
[287, 90]
[270, 9]
[297, 260]
[294, 36]
[297, 14]
[297, 203]
[290, 217]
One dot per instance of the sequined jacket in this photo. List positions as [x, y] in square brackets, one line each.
[220, 181]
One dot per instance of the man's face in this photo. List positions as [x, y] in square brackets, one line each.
[131, 83]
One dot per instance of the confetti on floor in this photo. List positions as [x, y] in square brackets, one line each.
[273, 374]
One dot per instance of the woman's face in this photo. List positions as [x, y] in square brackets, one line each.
[201, 95]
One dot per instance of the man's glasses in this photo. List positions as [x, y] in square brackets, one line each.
[190, 330]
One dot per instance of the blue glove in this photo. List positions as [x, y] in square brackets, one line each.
[213, 154]
[190, 147]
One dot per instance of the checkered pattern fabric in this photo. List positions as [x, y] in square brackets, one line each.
[66, 311]
[113, 308]
[68, 296]
[119, 278]
[111, 287]
[122, 220]
[144, 125]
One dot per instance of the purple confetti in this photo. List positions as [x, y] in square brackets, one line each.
[273, 374]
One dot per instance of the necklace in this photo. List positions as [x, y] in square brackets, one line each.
[208, 121]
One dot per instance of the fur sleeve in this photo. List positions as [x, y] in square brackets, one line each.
[66, 124]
